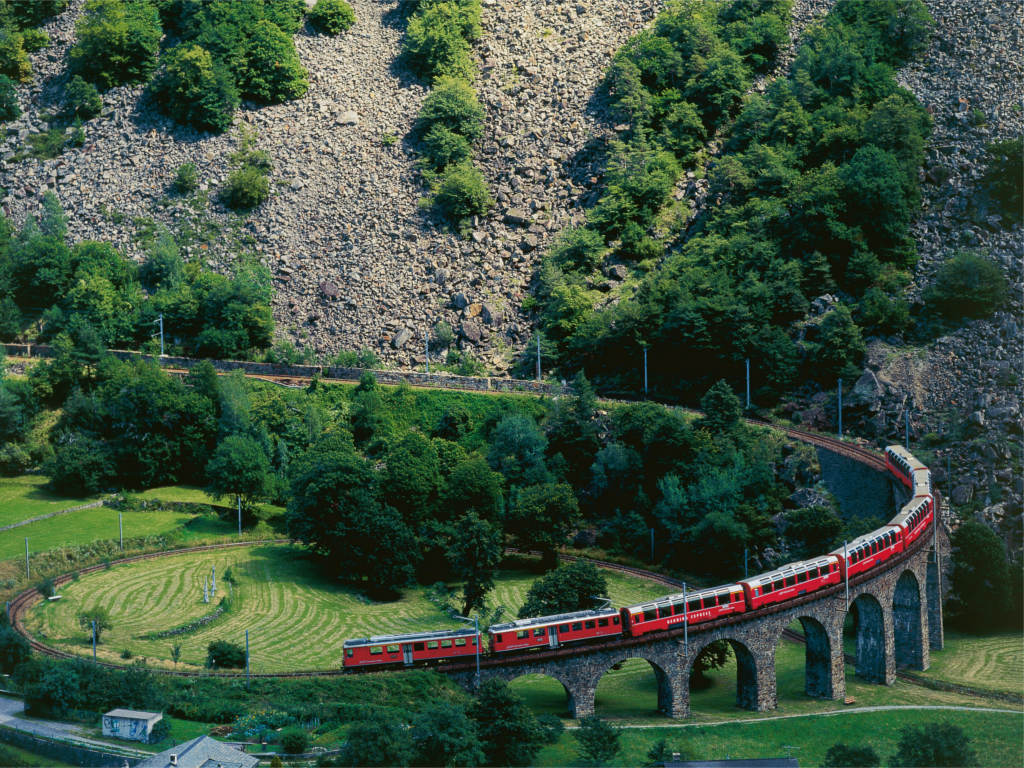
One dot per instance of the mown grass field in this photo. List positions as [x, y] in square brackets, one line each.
[26, 496]
[991, 662]
[996, 737]
[296, 618]
[191, 495]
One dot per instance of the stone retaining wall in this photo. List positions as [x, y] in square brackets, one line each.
[66, 752]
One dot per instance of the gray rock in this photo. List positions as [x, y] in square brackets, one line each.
[517, 217]
[962, 495]
[471, 331]
[488, 313]
[349, 118]
[617, 272]
[459, 301]
[401, 338]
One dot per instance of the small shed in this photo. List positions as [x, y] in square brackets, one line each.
[130, 724]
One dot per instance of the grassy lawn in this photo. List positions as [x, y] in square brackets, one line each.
[996, 738]
[991, 662]
[12, 755]
[25, 497]
[277, 595]
[192, 495]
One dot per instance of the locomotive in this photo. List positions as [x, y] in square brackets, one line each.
[788, 582]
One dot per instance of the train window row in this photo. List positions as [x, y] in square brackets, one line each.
[798, 578]
[376, 650]
[692, 605]
[575, 626]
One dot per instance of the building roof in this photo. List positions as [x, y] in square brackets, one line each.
[201, 752]
[134, 714]
[757, 762]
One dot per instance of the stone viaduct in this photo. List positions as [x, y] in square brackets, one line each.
[897, 614]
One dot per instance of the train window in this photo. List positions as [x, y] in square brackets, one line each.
[376, 650]
[576, 626]
[522, 633]
[475, 639]
[539, 632]
[589, 624]
[650, 614]
[778, 585]
[602, 622]
[432, 645]
[812, 573]
[392, 649]
[801, 577]
[461, 641]
[348, 652]
[446, 643]
[767, 588]
[615, 620]
[563, 628]
[693, 605]
[417, 646]
[498, 637]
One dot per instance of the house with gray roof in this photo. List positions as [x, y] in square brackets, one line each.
[202, 752]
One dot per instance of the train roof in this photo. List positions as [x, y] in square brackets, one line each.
[899, 451]
[409, 638]
[559, 618]
[678, 596]
[798, 566]
[865, 539]
[912, 506]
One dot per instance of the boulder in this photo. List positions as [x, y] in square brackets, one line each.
[401, 338]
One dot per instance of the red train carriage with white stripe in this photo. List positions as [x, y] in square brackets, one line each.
[791, 580]
[671, 611]
[554, 631]
[406, 650]
[914, 518]
[903, 465]
[870, 550]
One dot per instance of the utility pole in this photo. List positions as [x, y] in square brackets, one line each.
[906, 428]
[652, 545]
[846, 570]
[239, 498]
[160, 321]
[27, 576]
[247, 659]
[538, 355]
[645, 382]
[840, 409]
[475, 621]
[120, 529]
[94, 639]
[686, 623]
[206, 590]
[748, 383]
[426, 347]
[745, 551]
[213, 582]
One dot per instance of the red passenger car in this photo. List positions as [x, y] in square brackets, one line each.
[869, 550]
[791, 580]
[554, 631]
[406, 650]
[903, 465]
[915, 517]
[671, 611]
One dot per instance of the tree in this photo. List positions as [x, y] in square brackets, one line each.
[14, 649]
[598, 740]
[473, 485]
[541, 517]
[474, 554]
[979, 591]
[412, 478]
[461, 192]
[116, 42]
[377, 741]
[968, 285]
[722, 409]
[191, 88]
[712, 656]
[97, 617]
[176, 654]
[843, 756]
[14, 63]
[812, 530]
[452, 103]
[933, 745]
[842, 346]
[517, 450]
[572, 587]
[9, 107]
[82, 98]
[445, 736]
[221, 654]
[294, 740]
[509, 733]
[239, 467]
[271, 72]
[1004, 177]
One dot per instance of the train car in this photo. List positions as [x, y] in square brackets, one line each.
[915, 517]
[902, 463]
[922, 482]
[671, 611]
[869, 550]
[406, 650]
[554, 631]
[791, 580]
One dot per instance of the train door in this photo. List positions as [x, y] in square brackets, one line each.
[407, 654]
[553, 636]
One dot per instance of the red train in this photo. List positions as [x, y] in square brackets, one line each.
[672, 611]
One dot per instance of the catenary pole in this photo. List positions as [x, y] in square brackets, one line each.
[840, 409]
[239, 498]
[120, 529]
[27, 576]
[426, 347]
[94, 639]
[538, 355]
[748, 383]
[247, 658]
[645, 370]
[906, 428]
[846, 570]
[686, 622]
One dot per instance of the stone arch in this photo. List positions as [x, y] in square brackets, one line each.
[670, 697]
[873, 653]
[822, 655]
[908, 630]
[755, 674]
[574, 695]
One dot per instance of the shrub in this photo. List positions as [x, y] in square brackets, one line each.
[82, 98]
[194, 90]
[843, 756]
[934, 744]
[117, 42]
[438, 36]
[1004, 176]
[443, 147]
[127, 653]
[453, 104]
[968, 285]
[364, 358]
[220, 654]
[14, 649]
[247, 187]
[161, 730]
[34, 39]
[294, 740]
[31, 13]
[186, 178]
[9, 108]
[271, 72]
[461, 193]
[13, 60]
[332, 17]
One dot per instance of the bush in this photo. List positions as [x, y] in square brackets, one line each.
[1004, 176]
[842, 756]
[186, 179]
[9, 108]
[364, 358]
[332, 17]
[117, 42]
[438, 36]
[194, 90]
[82, 98]
[453, 104]
[934, 744]
[968, 285]
[294, 740]
[271, 72]
[220, 654]
[247, 187]
[14, 649]
[14, 61]
[34, 40]
[461, 193]
[46, 588]
[161, 730]
[443, 147]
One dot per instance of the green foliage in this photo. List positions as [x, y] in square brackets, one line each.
[294, 740]
[34, 39]
[186, 179]
[812, 530]
[979, 591]
[452, 103]
[9, 108]
[475, 553]
[445, 736]
[161, 730]
[364, 358]
[116, 42]
[194, 90]
[461, 193]
[509, 732]
[46, 588]
[572, 587]
[239, 467]
[722, 409]
[82, 98]
[14, 649]
[1004, 176]
[934, 745]
[967, 285]
[221, 654]
[541, 517]
[443, 147]
[272, 72]
[14, 61]
[843, 756]
[23, 14]
[377, 741]
[95, 620]
[246, 188]
[332, 17]
[598, 740]
[438, 37]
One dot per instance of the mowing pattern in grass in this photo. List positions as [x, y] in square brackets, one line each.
[25, 497]
[296, 620]
[991, 662]
[191, 495]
